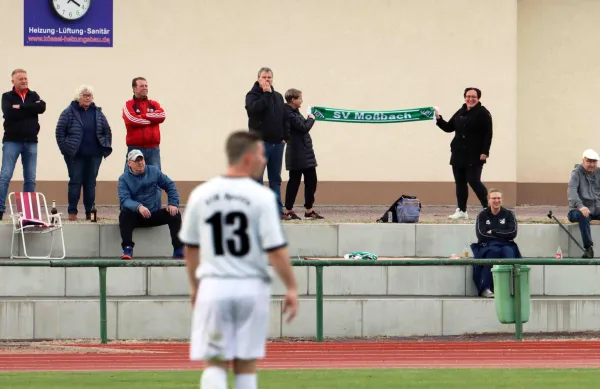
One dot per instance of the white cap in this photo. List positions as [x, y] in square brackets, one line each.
[590, 154]
[134, 154]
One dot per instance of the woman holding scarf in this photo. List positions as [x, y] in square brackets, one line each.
[470, 148]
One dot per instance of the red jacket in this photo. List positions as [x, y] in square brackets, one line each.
[142, 120]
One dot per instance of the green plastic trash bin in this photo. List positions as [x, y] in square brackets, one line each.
[504, 293]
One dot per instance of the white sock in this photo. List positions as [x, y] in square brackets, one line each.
[213, 378]
[246, 381]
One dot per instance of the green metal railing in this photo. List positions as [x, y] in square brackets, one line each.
[103, 265]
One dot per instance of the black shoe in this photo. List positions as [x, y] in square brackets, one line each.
[291, 215]
[312, 215]
[1, 214]
[589, 252]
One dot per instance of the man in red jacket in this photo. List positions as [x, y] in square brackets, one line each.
[142, 118]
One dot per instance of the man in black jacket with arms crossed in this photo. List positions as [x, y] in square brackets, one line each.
[20, 108]
[496, 229]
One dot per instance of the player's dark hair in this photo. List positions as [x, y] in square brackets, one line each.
[239, 143]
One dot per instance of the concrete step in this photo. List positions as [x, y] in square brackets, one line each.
[440, 281]
[29, 319]
[90, 240]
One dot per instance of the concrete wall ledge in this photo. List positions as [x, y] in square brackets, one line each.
[87, 240]
[323, 240]
[394, 281]
[367, 317]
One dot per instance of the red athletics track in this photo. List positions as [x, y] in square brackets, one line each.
[328, 355]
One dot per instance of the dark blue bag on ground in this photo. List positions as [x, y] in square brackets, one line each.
[408, 209]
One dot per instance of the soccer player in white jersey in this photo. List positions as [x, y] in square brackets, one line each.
[231, 230]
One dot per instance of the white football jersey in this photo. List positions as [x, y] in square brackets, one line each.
[235, 221]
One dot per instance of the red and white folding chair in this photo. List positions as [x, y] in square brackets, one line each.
[29, 213]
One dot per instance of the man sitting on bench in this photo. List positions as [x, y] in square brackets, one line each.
[140, 206]
[496, 229]
[584, 198]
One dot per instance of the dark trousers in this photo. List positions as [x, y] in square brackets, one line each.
[310, 187]
[482, 274]
[83, 171]
[128, 221]
[470, 175]
[575, 216]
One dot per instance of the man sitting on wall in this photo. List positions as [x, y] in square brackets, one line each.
[584, 198]
[496, 229]
[140, 206]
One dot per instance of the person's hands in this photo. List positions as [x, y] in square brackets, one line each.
[482, 157]
[193, 294]
[264, 85]
[145, 212]
[436, 111]
[290, 304]
[172, 210]
[16, 106]
[585, 211]
[311, 116]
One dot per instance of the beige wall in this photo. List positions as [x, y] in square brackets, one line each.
[559, 82]
[201, 57]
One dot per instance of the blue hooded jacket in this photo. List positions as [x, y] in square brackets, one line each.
[136, 190]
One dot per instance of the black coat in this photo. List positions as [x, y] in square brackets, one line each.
[299, 153]
[69, 131]
[473, 135]
[266, 114]
[22, 125]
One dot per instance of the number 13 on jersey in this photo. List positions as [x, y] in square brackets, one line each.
[230, 230]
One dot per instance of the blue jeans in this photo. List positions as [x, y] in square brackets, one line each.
[10, 154]
[152, 157]
[274, 157]
[575, 216]
[83, 171]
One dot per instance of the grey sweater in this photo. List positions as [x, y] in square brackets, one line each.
[584, 190]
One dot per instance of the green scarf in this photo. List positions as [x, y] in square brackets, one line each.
[348, 116]
[361, 255]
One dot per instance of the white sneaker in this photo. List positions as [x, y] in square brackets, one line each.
[487, 293]
[459, 215]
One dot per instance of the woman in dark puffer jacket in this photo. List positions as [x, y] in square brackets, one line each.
[300, 157]
[84, 138]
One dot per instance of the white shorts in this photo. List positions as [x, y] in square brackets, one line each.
[230, 319]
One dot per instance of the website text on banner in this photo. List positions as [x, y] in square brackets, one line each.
[74, 23]
[349, 116]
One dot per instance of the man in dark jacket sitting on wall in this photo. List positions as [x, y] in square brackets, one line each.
[496, 229]
[139, 203]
